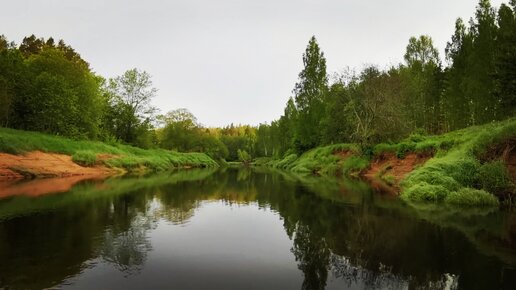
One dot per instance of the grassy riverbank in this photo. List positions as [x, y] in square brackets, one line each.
[473, 166]
[89, 153]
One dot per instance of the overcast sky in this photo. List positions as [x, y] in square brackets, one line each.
[231, 60]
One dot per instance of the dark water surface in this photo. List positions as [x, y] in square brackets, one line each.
[243, 229]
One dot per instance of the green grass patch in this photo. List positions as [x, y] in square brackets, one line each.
[83, 152]
[84, 158]
[457, 168]
[471, 197]
[423, 191]
[494, 177]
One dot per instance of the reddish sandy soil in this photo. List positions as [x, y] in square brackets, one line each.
[394, 166]
[39, 166]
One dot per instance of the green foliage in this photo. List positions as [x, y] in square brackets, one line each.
[459, 168]
[244, 157]
[124, 156]
[323, 160]
[471, 197]
[49, 88]
[354, 164]
[494, 177]
[284, 163]
[423, 191]
[130, 112]
[84, 157]
[309, 96]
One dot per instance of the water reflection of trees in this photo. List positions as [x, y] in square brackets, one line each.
[338, 229]
[382, 240]
[125, 243]
[312, 255]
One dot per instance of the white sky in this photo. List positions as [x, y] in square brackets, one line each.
[231, 60]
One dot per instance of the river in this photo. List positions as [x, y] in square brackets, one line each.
[248, 229]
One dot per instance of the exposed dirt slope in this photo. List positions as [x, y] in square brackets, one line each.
[389, 164]
[41, 164]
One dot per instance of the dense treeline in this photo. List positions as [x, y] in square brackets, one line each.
[46, 86]
[477, 86]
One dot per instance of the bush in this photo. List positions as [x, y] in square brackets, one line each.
[432, 176]
[494, 178]
[84, 157]
[423, 191]
[243, 156]
[471, 197]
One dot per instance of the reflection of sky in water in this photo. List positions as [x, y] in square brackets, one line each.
[242, 243]
[220, 246]
[247, 230]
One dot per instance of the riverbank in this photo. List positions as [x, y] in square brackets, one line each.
[475, 166]
[25, 154]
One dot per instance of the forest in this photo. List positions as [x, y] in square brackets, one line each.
[46, 86]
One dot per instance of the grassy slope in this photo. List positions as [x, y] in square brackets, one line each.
[455, 175]
[85, 152]
[321, 160]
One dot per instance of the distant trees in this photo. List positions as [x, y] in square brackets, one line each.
[183, 133]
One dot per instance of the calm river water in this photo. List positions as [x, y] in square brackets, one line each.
[248, 229]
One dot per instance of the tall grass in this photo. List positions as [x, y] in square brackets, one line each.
[459, 173]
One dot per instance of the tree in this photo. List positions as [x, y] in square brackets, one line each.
[335, 125]
[309, 93]
[479, 82]
[421, 51]
[59, 96]
[180, 131]
[422, 83]
[12, 78]
[131, 112]
[456, 103]
[505, 60]
[376, 110]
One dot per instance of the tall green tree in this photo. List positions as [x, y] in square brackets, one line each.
[456, 103]
[505, 60]
[131, 113]
[479, 82]
[309, 95]
[422, 83]
[62, 97]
